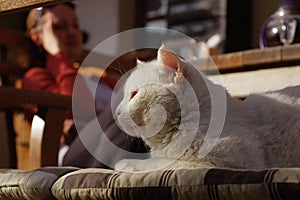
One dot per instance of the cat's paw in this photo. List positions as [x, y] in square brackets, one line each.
[126, 165]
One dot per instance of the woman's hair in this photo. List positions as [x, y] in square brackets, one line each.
[37, 53]
[35, 14]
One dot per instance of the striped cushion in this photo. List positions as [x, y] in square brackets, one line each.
[199, 183]
[33, 184]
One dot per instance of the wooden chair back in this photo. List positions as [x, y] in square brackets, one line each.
[13, 62]
[44, 141]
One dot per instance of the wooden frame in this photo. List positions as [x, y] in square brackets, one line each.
[17, 5]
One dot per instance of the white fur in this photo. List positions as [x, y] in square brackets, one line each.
[262, 131]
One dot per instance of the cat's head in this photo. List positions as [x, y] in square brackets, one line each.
[151, 105]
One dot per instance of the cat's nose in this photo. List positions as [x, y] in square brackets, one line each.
[117, 112]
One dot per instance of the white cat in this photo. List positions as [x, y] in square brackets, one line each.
[187, 121]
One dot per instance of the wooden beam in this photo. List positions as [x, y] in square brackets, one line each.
[251, 59]
[17, 5]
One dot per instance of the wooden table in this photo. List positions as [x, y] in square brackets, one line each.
[255, 70]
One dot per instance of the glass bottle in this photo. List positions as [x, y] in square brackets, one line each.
[283, 26]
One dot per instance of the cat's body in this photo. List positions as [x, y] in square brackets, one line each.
[262, 131]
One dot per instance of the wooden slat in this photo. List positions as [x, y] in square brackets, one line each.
[52, 132]
[16, 5]
[21, 98]
[4, 154]
[35, 143]
[44, 140]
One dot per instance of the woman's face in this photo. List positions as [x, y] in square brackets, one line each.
[60, 31]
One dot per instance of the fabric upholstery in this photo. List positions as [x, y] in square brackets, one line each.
[33, 184]
[199, 183]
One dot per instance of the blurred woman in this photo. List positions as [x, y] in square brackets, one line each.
[56, 33]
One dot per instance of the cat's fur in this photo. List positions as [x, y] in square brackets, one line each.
[260, 132]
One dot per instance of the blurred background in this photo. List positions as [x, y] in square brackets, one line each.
[237, 22]
[226, 25]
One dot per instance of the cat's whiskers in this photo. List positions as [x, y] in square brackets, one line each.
[121, 69]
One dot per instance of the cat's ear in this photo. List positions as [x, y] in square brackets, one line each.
[170, 59]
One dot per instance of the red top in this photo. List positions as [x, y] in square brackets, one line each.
[58, 76]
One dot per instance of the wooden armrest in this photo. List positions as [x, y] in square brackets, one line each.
[21, 98]
[43, 150]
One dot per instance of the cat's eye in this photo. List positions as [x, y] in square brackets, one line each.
[133, 94]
